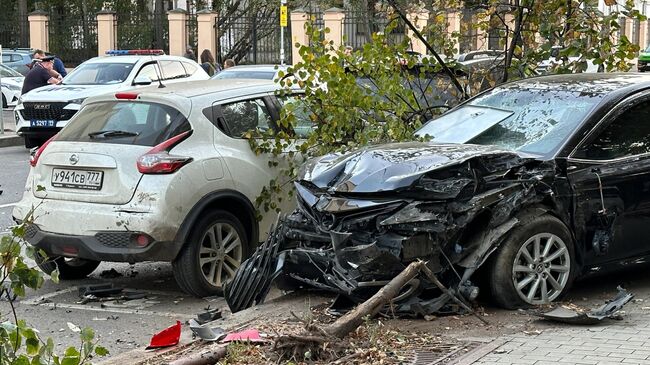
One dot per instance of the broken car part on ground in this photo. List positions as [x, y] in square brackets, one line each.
[520, 190]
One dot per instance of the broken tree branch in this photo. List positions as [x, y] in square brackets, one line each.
[204, 358]
[354, 318]
[432, 277]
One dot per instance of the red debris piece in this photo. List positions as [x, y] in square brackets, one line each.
[167, 337]
[251, 335]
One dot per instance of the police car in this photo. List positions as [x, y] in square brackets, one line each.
[42, 112]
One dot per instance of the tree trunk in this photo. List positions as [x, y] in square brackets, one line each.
[23, 25]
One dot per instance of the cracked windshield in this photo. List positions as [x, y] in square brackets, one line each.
[524, 119]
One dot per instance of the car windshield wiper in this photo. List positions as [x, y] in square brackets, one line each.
[112, 133]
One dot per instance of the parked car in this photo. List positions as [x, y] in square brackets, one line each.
[643, 60]
[17, 59]
[262, 72]
[481, 54]
[42, 112]
[155, 174]
[556, 58]
[524, 187]
[12, 84]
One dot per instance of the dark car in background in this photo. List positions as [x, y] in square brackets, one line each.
[522, 188]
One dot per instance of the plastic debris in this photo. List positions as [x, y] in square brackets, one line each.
[167, 337]
[577, 316]
[207, 333]
[208, 316]
[251, 335]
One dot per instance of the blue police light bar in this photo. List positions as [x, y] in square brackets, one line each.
[122, 52]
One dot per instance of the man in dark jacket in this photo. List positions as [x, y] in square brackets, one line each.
[40, 75]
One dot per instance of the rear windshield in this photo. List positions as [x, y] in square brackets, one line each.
[132, 123]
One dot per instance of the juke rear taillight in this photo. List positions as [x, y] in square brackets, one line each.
[159, 161]
[33, 160]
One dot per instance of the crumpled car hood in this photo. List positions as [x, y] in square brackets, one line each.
[391, 166]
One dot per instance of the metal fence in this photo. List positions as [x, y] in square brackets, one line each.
[14, 32]
[72, 39]
[142, 31]
[252, 38]
[358, 28]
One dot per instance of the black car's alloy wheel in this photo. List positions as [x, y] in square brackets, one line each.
[534, 265]
[214, 251]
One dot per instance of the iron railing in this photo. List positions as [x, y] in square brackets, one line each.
[142, 31]
[72, 39]
[252, 38]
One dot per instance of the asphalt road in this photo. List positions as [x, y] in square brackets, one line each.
[121, 326]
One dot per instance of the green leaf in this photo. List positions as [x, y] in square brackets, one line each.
[87, 334]
[101, 351]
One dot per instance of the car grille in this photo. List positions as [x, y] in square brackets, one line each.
[115, 240]
[46, 111]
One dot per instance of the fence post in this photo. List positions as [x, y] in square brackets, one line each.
[333, 19]
[482, 36]
[419, 20]
[38, 30]
[643, 34]
[629, 29]
[298, 34]
[106, 31]
[177, 31]
[207, 33]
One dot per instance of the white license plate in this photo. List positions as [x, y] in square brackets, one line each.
[42, 123]
[77, 179]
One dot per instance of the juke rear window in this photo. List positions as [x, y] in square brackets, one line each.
[131, 123]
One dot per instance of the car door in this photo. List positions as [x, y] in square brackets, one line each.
[610, 174]
[251, 172]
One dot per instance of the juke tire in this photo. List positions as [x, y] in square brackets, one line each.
[186, 268]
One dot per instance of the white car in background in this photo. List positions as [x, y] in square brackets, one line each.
[157, 174]
[42, 112]
[12, 84]
[556, 59]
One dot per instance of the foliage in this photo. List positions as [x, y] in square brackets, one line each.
[368, 97]
[20, 343]
[377, 94]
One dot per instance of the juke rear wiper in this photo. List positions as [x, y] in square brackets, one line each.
[112, 133]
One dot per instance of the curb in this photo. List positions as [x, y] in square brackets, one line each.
[10, 140]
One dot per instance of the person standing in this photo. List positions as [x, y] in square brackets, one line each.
[208, 63]
[40, 75]
[189, 53]
[59, 67]
[228, 63]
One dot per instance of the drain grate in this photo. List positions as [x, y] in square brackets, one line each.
[438, 353]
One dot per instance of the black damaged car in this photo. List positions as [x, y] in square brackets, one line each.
[522, 189]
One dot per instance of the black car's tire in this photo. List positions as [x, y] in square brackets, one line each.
[69, 268]
[4, 102]
[518, 280]
[204, 264]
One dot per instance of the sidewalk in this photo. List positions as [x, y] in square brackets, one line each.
[612, 342]
[9, 138]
